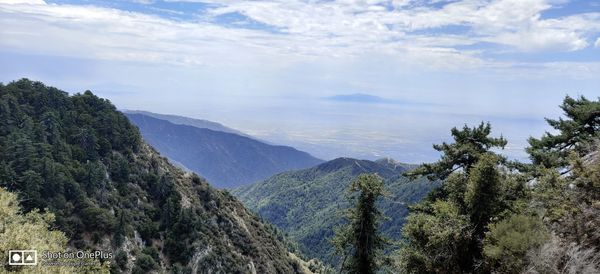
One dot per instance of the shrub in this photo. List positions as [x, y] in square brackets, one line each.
[144, 264]
[508, 241]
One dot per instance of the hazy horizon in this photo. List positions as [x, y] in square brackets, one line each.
[364, 79]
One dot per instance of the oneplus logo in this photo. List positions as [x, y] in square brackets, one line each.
[22, 257]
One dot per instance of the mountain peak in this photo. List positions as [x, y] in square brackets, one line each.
[358, 167]
[395, 165]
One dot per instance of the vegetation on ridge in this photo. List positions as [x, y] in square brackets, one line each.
[307, 204]
[85, 179]
[80, 159]
[491, 216]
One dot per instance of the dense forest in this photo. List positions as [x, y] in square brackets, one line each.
[82, 162]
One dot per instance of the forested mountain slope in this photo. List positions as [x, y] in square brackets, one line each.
[307, 204]
[82, 160]
[225, 159]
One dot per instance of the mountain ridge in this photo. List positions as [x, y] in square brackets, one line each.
[307, 203]
[226, 159]
[184, 120]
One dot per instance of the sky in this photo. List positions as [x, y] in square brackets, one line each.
[365, 79]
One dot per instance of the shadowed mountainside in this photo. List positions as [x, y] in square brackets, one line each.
[227, 160]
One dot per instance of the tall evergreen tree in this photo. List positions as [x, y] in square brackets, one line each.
[359, 242]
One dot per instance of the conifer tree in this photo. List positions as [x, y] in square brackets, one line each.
[444, 232]
[577, 133]
[468, 147]
[483, 193]
[359, 241]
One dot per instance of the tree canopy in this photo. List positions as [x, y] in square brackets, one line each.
[468, 147]
[79, 158]
[488, 218]
[577, 133]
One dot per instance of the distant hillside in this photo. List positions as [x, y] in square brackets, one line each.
[182, 120]
[82, 160]
[307, 203]
[227, 160]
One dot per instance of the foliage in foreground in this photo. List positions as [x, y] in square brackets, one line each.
[33, 231]
[492, 216]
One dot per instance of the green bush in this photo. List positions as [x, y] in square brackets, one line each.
[508, 241]
[144, 264]
[438, 240]
[98, 219]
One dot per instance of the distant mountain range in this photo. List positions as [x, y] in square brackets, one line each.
[307, 204]
[182, 120]
[226, 158]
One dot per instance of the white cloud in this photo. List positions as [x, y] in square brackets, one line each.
[145, 2]
[23, 2]
[325, 47]
[515, 23]
[310, 30]
[542, 39]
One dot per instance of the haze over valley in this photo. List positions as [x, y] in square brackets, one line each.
[278, 79]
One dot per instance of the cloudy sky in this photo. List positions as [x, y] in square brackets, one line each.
[354, 78]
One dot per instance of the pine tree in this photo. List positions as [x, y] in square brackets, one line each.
[468, 147]
[438, 240]
[577, 133]
[359, 242]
